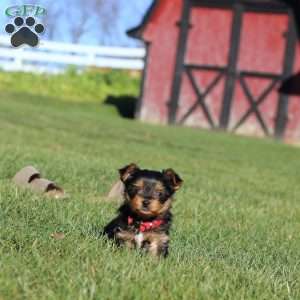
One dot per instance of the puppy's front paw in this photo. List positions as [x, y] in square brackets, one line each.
[126, 238]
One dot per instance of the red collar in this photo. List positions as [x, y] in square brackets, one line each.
[145, 226]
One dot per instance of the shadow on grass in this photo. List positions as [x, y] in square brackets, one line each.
[124, 104]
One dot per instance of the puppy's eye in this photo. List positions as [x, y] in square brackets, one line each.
[132, 190]
[160, 195]
[156, 194]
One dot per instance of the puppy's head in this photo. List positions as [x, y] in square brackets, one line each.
[149, 193]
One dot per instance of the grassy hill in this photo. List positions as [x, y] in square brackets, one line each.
[237, 218]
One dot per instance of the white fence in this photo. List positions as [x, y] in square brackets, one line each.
[54, 57]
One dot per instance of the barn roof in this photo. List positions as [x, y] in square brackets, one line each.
[259, 4]
[275, 5]
[137, 31]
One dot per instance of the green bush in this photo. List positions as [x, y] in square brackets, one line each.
[91, 85]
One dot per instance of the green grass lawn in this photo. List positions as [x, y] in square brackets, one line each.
[237, 218]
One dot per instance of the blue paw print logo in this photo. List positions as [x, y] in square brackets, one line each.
[24, 31]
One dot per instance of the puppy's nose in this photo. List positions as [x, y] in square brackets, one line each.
[146, 202]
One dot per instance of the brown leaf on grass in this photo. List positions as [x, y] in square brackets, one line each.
[58, 235]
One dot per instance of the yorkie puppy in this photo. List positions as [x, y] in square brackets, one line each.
[144, 219]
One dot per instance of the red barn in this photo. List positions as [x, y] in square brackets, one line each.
[220, 64]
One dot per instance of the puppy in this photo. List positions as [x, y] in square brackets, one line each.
[144, 219]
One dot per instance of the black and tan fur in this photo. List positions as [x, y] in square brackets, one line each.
[148, 196]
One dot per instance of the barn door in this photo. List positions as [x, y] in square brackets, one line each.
[227, 73]
[204, 49]
[265, 58]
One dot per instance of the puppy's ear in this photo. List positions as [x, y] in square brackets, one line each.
[128, 171]
[173, 179]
